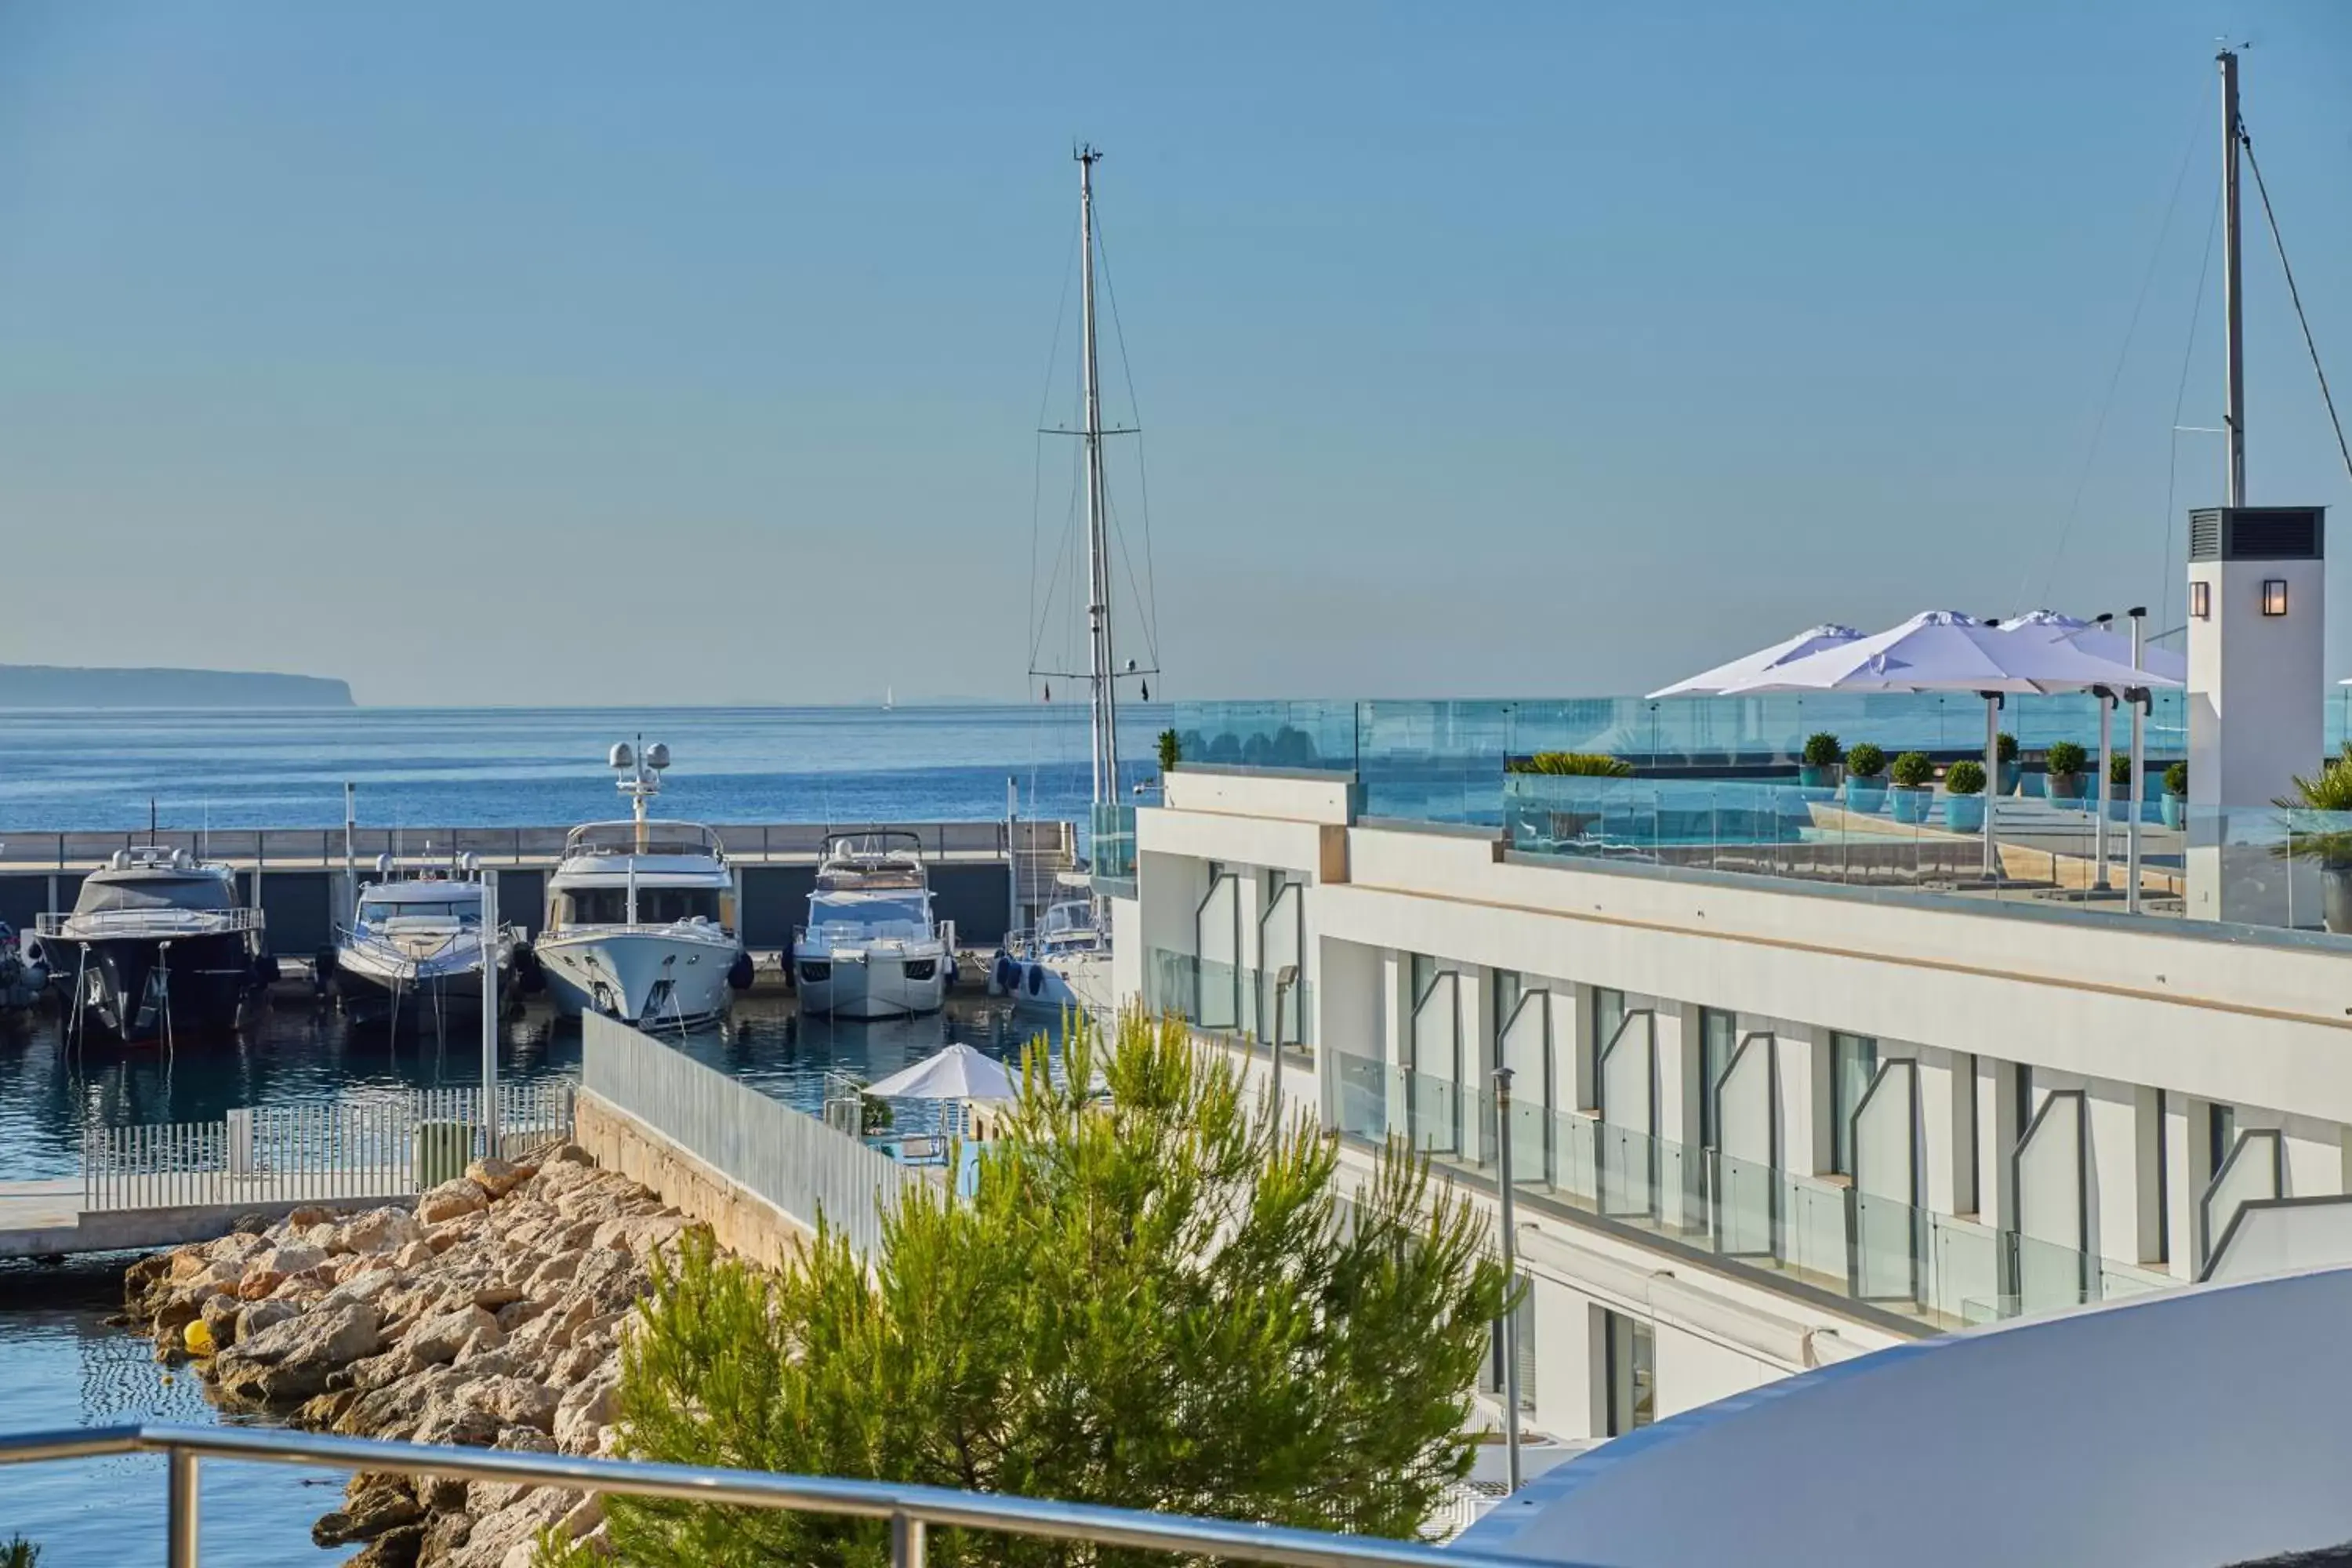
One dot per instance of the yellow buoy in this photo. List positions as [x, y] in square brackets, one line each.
[199, 1337]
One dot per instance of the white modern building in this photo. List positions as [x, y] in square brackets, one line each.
[1759, 1123]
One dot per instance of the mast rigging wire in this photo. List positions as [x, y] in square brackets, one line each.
[2180, 401]
[2246, 140]
[1147, 606]
[2122, 355]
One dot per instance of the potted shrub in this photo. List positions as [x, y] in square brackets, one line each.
[1915, 778]
[2119, 786]
[2175, 799]
[1171, 751]
[2005, 751]
[1865, 778]
[2063, 763]
[1817, 768]
[2319, 829]
[1964, 802]
[1574, 764]
[1585, 809]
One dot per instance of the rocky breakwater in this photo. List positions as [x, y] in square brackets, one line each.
[491, 1315]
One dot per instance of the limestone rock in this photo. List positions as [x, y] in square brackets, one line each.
[513, 1401]
[309, 1215]
[400, 1548]
[415, 1255]
[219, 1316]
[451, 1200]
[373, 1503]
[290, 1361]
[497, 1177]
[384, 1230]
[438, 1340]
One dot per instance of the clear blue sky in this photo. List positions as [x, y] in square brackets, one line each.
[588, 353]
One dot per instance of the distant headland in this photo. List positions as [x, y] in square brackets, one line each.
[56, 686]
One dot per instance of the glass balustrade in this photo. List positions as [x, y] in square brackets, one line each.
[1225, 998]
[1821, 1233]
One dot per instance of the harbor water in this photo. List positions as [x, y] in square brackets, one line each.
[62, 1364]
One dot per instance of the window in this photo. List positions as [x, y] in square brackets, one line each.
[1853, 1062]
[1719, 1036]
[1629, 1351]
[1490, 1376]
[2220, 1137]
[655, 906]
[1607, 1017]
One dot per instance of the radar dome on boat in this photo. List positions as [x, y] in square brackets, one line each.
[471, 860]
[621, 756]
[657, 756]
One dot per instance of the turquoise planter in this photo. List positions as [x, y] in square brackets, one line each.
[2063, 787]
[2010, 772]
[1964, 813]
[1911, 802]
[1866, 797]
[2175, 809]
[1823, 776]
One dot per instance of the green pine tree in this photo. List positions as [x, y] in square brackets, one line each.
[1158, 1299]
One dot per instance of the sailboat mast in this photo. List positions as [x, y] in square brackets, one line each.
[2232, 290]
[1104, 718]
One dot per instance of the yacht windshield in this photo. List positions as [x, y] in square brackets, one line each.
[655, 906]
[905, 916]
[376, 911]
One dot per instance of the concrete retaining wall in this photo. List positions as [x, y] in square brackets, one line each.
[744, 1223]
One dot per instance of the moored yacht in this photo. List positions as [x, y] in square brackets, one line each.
[156, 946]
[641, 914]
[1063, 963]
[871, 948]
[412, 956]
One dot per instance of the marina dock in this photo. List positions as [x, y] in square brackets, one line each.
[298, 877]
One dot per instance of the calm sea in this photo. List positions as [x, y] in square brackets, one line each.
[60, 1363]
[420, 767]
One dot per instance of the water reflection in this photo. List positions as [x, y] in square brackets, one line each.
[300, 1054]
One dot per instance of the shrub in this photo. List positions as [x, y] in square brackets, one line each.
[1582, 764]
[2176, 779]
[2005, 747]
[2119, 770]
[1964, 778]
[1821, 750]
[19, 1553]
[1171, 751]
[2323, 838]
[1153, 1297]
[2064, 757]
[1912, 770]
[1865, 760]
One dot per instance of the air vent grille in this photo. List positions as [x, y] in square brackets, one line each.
[2257, 533]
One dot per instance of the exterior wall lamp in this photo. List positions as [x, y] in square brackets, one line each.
[2200, 601]
[2274, 595]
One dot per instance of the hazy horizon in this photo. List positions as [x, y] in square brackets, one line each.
[578, 355]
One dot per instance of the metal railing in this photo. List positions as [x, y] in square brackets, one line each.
[911, 1510]
[354, 1150]
[786, 1156]
[163, 923]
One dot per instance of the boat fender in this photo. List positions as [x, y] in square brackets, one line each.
[529, 971]
[738, 974]
[1036, 979]
[266, 971]
[324, 964]
[1007, 975]
[792, 970]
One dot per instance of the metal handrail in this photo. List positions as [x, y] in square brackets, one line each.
[169, 922]
[911, 1509]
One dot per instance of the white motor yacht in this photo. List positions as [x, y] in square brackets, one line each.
[871, 948]
[641, 914]
[413, 955]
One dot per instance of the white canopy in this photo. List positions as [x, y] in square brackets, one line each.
[1943, 651]
[1761, 662]
[2158, 666]
[958, 1072]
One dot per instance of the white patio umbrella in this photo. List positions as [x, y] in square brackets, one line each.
[958, 1072]
[1763, 661]
[1943, 651]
